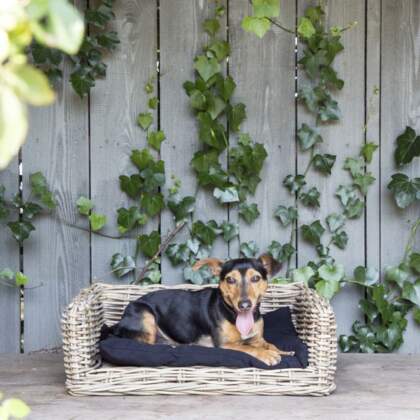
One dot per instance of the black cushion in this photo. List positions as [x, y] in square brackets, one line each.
[278, 330]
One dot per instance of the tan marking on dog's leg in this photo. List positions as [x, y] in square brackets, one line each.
[269, 357]
[148, 328]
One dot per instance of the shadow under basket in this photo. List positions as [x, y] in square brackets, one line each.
[101, 304]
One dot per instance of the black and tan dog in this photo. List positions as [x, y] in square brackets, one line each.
[229, 315]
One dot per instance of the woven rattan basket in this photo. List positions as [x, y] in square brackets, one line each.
[104, 303]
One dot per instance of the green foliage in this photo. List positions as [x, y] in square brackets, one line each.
[286, 215]
[405, 190]
[408, 147]
[149, 244]
[13, 408]
[97, 221]
[13, 279]
[260, 22]
[88, 63]
[122, 265]
[313, 232]
[367, 151]
[249, 212]
[249, 249]
[84, 205]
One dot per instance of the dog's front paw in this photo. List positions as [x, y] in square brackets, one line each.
[270, 357]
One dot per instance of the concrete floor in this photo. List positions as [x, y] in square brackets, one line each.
[376, 387]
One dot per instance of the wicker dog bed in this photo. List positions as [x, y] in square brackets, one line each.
[104, 303]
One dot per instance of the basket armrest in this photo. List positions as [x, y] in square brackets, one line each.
[317, 327]
[81, 327]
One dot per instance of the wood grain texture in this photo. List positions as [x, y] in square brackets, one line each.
[181, 39]
[115, 104]
[342, 139]
[264, 71]
[56, 257]
[9, 258]
[400, 107]
[372, 118]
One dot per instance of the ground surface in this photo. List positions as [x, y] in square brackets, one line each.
[368, 387]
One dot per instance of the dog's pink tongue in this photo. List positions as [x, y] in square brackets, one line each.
[245, 322]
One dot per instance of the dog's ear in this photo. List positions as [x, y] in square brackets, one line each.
[214, 264]
[270, 264]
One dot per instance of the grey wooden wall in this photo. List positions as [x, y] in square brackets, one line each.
[83, 146]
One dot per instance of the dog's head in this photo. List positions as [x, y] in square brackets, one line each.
[243, 281]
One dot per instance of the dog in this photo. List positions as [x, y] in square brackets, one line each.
[227, 317]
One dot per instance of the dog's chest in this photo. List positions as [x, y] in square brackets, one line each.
[230, 334]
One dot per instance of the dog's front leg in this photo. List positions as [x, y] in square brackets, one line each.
[267, 355]
[266, 345]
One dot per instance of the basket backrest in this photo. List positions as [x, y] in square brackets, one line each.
[116, 297]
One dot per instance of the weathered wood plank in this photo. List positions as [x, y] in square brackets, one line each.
[342, 139]
[115, 103]
[181, 39]
[373, 80]
[264, 71]
[56, 257]
[400, 106]
[9, 257]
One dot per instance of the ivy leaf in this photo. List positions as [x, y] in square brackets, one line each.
[397, 275]
[331, 272]
[129, 218]
[211, 132]
[205, 232]
[281, 253]
[236, 116]
[97, 221]
[211, 26]
[305, 28]
[335, 221]
[226, 87]
[365, 276]
[308, 95]
[340, 239]
[249, 212]
[346, 194]
[181, 208]
[21, 279]
[201, 276]
[259, 26]
[149, 244]
[414, 262]
[153, 102]
[178, 253]
[227, 195]
[348, 343]
[408, 147]
[122, 265]
[249, 249]
[416, 315]
[369, 309]
[229, 230]
[154, 175]
[266, 8]
[286, 215]
[144, 120]
[152, 203]
[404, 189]
[354, 209]
[367, 151]
[310, 198]
[356, 166]
[216, 106]
[313, 232]
[411, 292]
[220, 49]
[7, 274]
[41, 191]
[324, 163]
[206, 67]
[21, 230]
[84, 205]
[15, 407]
[132, 185]
[327, 289]
[30, 210]
[141, 158]
[294, 183]
[308, 137]
[208, 169]
[303, 274]
[329, 111]
[155, 138]
[363, 182]
[323, 251]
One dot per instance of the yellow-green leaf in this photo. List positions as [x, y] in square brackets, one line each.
[16, 408]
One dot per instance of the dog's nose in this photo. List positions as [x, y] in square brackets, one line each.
[244, 304]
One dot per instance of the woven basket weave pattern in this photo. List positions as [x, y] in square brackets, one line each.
[104, 303]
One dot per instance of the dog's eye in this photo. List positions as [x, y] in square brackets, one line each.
[255, 279]
[230, 280]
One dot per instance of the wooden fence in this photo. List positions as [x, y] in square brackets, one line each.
[83, 146]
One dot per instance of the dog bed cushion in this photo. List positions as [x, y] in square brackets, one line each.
[278, 330]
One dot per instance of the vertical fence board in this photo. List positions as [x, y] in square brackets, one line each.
[181, 39]
[115, 103]
[342, 139]
[56, 256]
[264, 71]
[372, 116]
[400, 107]
[9, 257]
